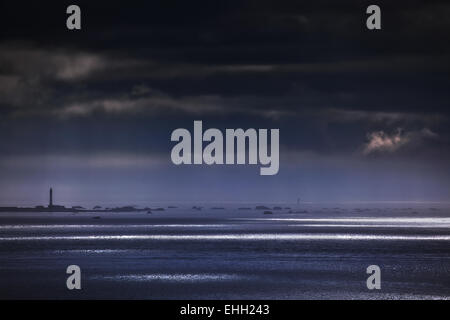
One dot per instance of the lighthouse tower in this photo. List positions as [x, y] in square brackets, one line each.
[50, 203]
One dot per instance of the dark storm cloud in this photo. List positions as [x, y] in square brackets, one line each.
[110, 95]
[232, 50]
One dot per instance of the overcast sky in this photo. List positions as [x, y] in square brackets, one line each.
[363, 115]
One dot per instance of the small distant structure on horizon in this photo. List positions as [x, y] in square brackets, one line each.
[51, 206]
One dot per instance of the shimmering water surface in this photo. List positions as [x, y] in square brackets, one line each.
[183, 253]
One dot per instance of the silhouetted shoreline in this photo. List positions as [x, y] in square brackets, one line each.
[73, 210]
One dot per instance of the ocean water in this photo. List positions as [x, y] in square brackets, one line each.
[307, 252]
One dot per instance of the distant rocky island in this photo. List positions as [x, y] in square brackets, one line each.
[76, 209]
[58, 208]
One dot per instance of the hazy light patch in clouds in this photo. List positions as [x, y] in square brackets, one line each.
[145, 100]
[29, 62]
[379, 65]
[164, 70]
[105, 160]
[77, 66]
[28, 75]
[380, 141]
[18, 91]
[388, 118]
[143, 105]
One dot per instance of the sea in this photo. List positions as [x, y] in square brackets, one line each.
[230, 251]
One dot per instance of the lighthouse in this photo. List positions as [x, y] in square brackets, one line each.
[50, 203]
